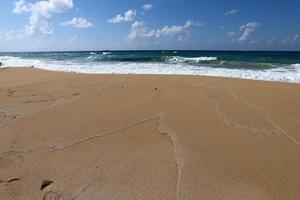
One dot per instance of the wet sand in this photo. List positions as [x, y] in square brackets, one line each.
[67, 136]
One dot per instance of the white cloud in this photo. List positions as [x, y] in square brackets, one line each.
[293, 39]
[41, 14]
[247, 30]
[78, 23]
[231, 12]
[127, 17]
[73, 39]
[21, 6]
[172, 30]
[147, 6]
[232, 33]
[140, 30]
[221, 27]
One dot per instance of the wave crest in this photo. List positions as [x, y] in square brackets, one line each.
[178, 59]
[295, 65]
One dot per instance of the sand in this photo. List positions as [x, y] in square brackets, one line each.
[67, 136]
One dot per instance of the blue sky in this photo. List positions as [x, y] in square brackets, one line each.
[49, 25]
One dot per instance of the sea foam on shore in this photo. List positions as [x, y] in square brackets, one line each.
[273, 66]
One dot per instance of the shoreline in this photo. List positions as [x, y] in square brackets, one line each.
[105, 136]
[176, 75]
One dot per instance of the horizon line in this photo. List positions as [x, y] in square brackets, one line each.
[103, 50]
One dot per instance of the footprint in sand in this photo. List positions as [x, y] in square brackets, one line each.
[10, 92]
[52, 195]
[5, 117]
[45, 184]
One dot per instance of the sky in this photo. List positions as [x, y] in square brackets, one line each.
[59, 25]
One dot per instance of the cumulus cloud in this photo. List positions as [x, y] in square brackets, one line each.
[78, 23]
[41, 14]
[21, 6]
[248, 29]
[127, 17]
[292, 39]
[147, 6]
[140, 30]
[231, 12]
[172, 30]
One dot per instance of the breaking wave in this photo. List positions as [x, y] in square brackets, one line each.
[178, 59]
[236, 65]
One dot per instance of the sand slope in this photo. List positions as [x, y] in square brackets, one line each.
[147, 137]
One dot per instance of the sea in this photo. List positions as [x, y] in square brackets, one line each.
[279, 66]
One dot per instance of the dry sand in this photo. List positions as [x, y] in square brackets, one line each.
[67, 136]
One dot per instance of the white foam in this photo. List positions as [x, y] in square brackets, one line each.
[289, 73]
[178, 59]
[295, 65]
[10, 61]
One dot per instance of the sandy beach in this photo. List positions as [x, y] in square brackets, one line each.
[67, 136]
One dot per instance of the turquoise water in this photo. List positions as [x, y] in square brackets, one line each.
[276, 66]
